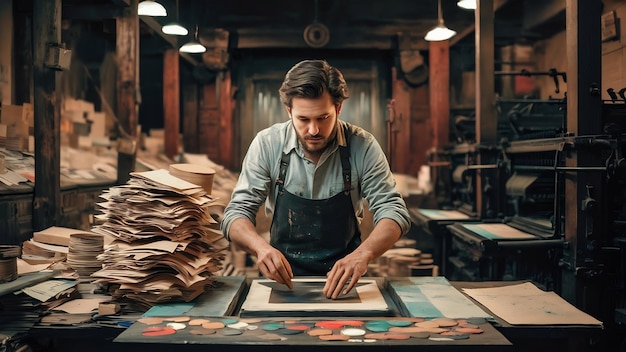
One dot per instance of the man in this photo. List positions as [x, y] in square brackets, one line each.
[313, 172]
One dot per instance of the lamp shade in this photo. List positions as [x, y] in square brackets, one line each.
[439, 33]
[192, 47]
[174, 29]
[467, 4]
[151, 8]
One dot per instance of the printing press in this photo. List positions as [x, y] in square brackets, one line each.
[521, 191]
[521, 223]
[455, 193]
[532, 192]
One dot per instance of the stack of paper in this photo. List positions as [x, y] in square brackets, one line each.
[167, 247]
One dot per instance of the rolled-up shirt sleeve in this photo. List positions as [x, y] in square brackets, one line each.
[379, 186]
[251, 189]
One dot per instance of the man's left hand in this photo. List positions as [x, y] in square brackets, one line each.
[345, 271]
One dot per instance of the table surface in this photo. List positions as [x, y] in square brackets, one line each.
[496, 336]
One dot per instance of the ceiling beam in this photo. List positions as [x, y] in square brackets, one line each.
[462, 34]
[497, 4]
[121, 3]
[156, 27]
[340, 38]
[540, 12]
[91, 12]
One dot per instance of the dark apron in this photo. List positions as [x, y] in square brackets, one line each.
[314, 233]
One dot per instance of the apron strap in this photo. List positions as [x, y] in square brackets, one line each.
[344, 152]
[280, 181]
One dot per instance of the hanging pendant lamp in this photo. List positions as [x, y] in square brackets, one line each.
[174, 28]
[467, 4]
[193, 46]
[151, 8]
[440, 32]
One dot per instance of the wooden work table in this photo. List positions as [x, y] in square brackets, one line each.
[573, 338]
[497, 335]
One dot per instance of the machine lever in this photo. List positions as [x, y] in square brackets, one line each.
[621, 93]
[612, 94]
[554, 74]
[588, 205]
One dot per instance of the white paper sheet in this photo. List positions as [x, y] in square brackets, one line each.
[525, 304]
[48, 289]
[369, 299]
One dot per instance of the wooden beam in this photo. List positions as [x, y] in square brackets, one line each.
[584, 111]
[486, 118]
[439, 83]
[209, 121]
[47, 115]
[537, 13]
[122, 3]
[92, 12]
[399, 113]
[497, 4]
[226, 107]
[462, 34]
[23, 52]
[127, 50]
[171, 101]
[352, 38]
[191, 142]
[486, 122]
[156, 27]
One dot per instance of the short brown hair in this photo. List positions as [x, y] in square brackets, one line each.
[310, 79]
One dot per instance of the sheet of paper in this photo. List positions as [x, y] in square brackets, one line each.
[163, 177]
[50, 247]
[434, 297]
[81, 305]
[24, 267]
[525, 304]
[24, 281]
[259, 298]
[499, 232]
[56, 235]
[169, 309]
[11, 178]
[48, 289]
[436, 214]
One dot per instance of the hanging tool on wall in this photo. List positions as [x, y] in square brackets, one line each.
[316, 34]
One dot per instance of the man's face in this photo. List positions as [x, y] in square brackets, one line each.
[315, 122]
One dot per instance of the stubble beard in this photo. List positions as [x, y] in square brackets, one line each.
[316, 149]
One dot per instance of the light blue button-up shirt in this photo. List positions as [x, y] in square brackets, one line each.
[371, 177]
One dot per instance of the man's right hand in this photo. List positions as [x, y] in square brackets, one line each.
[274, 265]
[270, 260]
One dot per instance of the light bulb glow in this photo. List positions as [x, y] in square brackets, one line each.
[467, 4]
[151, 8]
[439, 33]
[174, 29]
[192, 47]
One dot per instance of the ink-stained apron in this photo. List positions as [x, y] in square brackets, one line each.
[314, 233]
